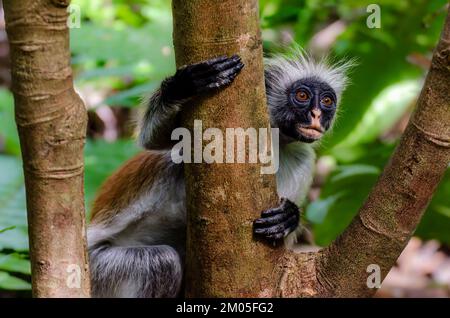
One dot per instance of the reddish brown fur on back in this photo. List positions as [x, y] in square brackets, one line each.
[126, 184]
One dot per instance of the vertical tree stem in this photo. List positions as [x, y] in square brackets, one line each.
[223, 199]
[51, 120]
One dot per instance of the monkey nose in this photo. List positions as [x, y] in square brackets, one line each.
[316, 113]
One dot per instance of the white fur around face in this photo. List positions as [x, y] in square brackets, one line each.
[294, 178]
[295, 175]
[297, 64]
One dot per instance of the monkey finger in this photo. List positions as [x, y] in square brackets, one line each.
[213, 86]
[216, 60]
[205, 65]
[275, 237]
[221, 79]
[216, 82]
[279, 236]
[286, 206]
[196, 69]
[212, 66]
[279, 228]
[271, 220]
[272, 212]
[232, 71]
[223, 66]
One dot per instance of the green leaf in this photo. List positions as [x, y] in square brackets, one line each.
[131, 97]
[444, 210]
[435, 223]
[349, 171]
[101, 160]
[8, 129]
[7, 229]
[151, 45]
[346, 189]
[318, 210]
[15, 263]
[385, 110]
[12, 205]
[101, 54]
[377, 71]
[339, 202]
[10, 282]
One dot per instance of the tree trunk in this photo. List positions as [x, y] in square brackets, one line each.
[223, 199]
[51, 120]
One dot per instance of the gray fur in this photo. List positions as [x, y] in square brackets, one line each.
[157, 122]
[135, 272]
[140, 252]
[295, 65]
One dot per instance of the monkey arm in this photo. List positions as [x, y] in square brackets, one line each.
[162, 114]
[159, 120]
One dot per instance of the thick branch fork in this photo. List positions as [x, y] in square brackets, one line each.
[222, 200]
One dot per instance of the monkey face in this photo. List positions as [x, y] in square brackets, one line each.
[310, 110]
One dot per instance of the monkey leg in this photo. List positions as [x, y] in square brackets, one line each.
[129, 272]
[277, 223]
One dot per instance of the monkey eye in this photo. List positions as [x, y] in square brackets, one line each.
[301, 96]
[327, 101]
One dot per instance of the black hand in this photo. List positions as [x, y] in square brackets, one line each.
[193, 80]
[277, 223]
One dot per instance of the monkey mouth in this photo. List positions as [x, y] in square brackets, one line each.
[311, 132]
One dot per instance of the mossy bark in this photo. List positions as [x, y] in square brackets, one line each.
[51, 120]
[223, 199]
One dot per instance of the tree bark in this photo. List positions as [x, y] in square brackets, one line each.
[223, 200]
[51, 120]
[395, 206]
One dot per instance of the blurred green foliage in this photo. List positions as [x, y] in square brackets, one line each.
[124, 47]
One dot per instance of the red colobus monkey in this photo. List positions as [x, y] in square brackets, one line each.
[137, 233]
